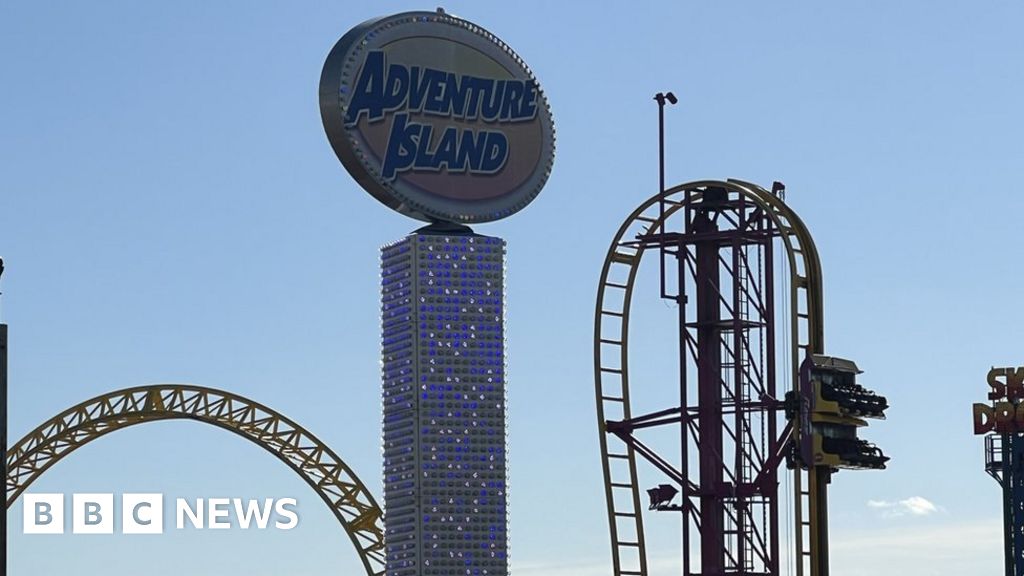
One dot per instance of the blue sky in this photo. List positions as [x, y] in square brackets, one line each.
[171, 211]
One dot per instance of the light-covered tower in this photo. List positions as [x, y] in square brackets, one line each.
[444, 404]
[441, 121]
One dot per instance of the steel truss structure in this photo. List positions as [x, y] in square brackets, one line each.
[1004, 462]
[734, 433]
[321, 468]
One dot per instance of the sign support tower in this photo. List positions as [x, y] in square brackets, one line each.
[441, 121]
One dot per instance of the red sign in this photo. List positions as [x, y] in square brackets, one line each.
[1006, 414]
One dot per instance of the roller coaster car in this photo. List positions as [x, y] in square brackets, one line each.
[833, 385]
[828, 410]
[853, 453]
[852, 398]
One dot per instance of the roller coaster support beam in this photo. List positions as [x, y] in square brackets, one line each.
[644, 230]
[819, 477]
[322, 469]
[709, 393]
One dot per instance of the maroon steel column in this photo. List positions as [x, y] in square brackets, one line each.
[709, 398]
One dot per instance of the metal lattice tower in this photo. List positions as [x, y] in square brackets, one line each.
[729, 419]
[718, 244]
[1004, 461]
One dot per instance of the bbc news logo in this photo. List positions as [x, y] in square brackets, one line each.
[144, 514]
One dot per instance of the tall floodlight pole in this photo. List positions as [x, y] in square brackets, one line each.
[3, 437]
[442, 122]
[661, 98]
[3, 444]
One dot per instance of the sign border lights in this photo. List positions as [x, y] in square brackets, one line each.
[436, 119]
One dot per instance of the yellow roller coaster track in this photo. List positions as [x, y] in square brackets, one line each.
[321, 468]
[611, 364]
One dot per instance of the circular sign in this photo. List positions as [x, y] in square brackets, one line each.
[437, 118]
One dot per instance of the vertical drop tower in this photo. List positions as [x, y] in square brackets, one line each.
[1001, 421]
[753, 390]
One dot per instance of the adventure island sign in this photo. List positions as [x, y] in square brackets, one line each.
[1006, 413]
[437, 118]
